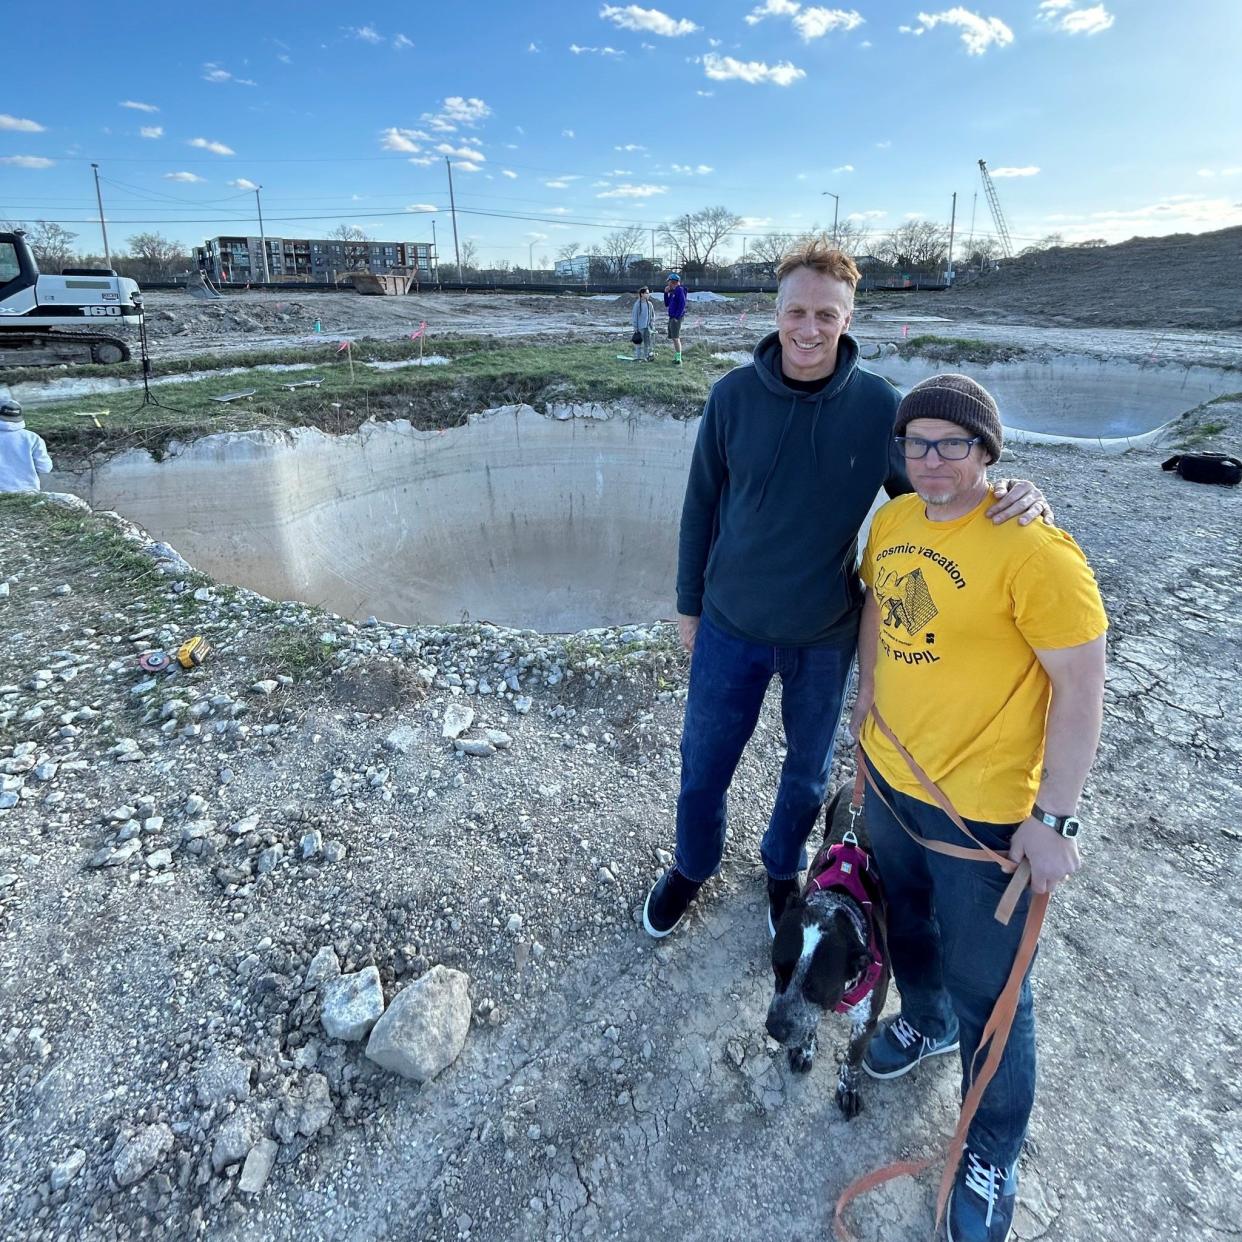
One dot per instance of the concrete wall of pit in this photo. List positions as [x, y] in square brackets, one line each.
[555, 523]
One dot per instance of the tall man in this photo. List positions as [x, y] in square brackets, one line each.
[790, 454]
[982, 651]
[675, 301]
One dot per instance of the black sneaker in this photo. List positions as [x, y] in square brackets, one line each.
[667, 903]
[779, 893]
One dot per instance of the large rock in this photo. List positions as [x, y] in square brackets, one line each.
[425, 1027]
[305, 1111]
[234, 1139]
[352, 1004]
[258, 1166]
[458, 717]
[141, 1154]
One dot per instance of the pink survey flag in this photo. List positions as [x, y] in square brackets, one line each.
[742, 318]
[422, 327]
[344, 345]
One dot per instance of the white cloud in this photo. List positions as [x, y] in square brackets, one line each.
[244, 183]
[814, 23]
[395, 139]
[557, 185]
[651, 21]
[722, 68]
[1219, 172]
[461, 153]
[20, 124]
[152, 131]
[422, 160]
[216, 148]
[422, 207]
[1067, 16]
[843, 168]
[508, 172]
[1027, 170]
[468, 166]
[884, 146]
[138, 107]
[1176, 213]
[533, 47]
[634, 191]
[466, 111]
[630, 146]
[368, 34]
[772, 8]
[692, 170]
[568, 133]
[558, 211]
[578, 50]
[215, 73]
[754, 222]
[183, 176]
[400, 42]
[861, 216]
[705, 94]
[978, 33]
[27, 161]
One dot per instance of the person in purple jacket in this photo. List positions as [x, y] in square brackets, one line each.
[675, 301]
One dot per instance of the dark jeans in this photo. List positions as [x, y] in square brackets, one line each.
[728, 679]
[951, 957]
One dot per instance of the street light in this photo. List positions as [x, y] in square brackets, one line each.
[836, 203]
[530, 253]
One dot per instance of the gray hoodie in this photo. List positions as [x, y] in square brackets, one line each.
[23, 457]
[780, 482]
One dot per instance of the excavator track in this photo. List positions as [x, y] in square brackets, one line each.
[48, 347]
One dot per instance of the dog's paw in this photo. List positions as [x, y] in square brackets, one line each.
[801, 1059]
[849, 1096]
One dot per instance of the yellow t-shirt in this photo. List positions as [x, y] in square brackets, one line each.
[963, 604]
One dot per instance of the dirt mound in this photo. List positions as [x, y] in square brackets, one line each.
[1181, 281]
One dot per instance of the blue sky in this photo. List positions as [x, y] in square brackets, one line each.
[1101, 120]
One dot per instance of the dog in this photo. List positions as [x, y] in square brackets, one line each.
[830, 953]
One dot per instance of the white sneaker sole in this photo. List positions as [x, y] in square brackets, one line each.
[651, 931]
[905, 1069]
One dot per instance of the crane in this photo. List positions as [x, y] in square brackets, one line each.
[998, 216]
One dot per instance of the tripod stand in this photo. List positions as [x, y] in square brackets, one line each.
[145, 352]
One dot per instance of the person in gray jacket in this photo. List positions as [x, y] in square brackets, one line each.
[642, 320]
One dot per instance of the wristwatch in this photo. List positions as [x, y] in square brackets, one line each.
[1067, 825]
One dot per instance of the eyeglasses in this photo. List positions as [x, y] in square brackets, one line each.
[954, 448]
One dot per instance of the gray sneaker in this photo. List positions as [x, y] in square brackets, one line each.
[896, 1048]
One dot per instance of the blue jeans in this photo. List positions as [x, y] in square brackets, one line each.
[728, 679]
[950, 956]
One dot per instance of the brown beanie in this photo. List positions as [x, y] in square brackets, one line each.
[955, 399]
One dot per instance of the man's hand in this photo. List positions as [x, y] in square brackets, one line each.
[688, 627]
[1053, 858]
[1019, 498]
[862, 708]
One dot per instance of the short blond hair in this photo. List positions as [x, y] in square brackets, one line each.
[820, 257]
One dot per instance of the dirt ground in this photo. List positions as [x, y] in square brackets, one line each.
[155, 1019]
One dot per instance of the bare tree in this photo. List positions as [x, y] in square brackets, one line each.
[469, 256]
[853, 238]
[568, 251]
[619, 246]
[917, 244]
[1049, 242]
[693, 238]
[152, 257]
[50, 243]
[765, 253]
[348, 233]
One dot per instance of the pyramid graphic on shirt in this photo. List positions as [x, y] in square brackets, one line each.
[907, 602]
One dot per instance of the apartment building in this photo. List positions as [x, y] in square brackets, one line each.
[238, 260]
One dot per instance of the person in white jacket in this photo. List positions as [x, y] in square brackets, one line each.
[23, 455]
[642, 320]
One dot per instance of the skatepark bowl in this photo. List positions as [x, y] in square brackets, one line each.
[555, 521]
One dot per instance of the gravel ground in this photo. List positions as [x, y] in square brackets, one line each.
[188, 861]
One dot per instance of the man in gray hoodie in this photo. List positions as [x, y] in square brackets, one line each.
[642, 319]
[791, 453]
[23, 455]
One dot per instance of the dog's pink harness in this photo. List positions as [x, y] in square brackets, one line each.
[846, 867]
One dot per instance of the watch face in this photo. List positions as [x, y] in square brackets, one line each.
[1070, 827]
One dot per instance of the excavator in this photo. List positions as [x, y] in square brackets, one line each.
[46, 320]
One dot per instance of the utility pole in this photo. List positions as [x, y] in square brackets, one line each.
[952, 225]
[836, 203]
[453, 208]
[653, 255]
[970, 241]
[267, 271]
[103, 228]
[530, 259]
[435, 251]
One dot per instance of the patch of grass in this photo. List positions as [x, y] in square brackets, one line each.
[299, 654]
[960, 349]
[82, 541]
[431, 397]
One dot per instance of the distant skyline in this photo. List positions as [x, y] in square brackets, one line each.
[566, 121]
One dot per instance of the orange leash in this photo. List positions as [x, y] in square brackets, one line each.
[996, 1031]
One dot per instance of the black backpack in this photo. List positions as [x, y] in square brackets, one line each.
[1206, 468]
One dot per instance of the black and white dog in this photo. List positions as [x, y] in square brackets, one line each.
[830, 953]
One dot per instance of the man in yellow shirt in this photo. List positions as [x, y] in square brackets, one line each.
[982, 649]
